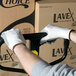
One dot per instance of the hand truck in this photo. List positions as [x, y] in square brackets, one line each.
[34, 45]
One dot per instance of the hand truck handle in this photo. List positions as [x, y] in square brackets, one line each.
[36, 37]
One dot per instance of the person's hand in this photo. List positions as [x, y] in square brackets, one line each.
[54, 32]
[13, 37]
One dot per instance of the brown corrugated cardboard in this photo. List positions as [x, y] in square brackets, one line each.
[60, 14]
[57, 1]
[15, 14]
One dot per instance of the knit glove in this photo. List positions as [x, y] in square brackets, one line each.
[13, 37]
[54, 32]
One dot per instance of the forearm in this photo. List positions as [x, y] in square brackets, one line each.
[37, 67]
[73, 36]
[26, 57]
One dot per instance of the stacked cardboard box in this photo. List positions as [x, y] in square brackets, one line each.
[60, 13]
[15, 14]
[20, 14]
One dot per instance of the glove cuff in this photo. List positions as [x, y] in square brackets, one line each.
[66, 33]
[16, 43]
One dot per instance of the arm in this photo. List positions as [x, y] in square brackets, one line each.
[26, 57]
[38, 67]
[73, 36]
[31, 63]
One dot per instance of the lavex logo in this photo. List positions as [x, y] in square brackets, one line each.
[63, 17]
[60, 52]
[6, 57]
[14, 3]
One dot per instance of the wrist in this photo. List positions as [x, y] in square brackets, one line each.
[71, 34]
[18, 47]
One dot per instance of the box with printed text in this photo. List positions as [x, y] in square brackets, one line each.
[60, 13]
[15, 14]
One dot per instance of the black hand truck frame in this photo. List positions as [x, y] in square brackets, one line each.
[34, 45]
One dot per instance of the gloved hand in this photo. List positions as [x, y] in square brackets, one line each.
[55, 32]
[13, 37]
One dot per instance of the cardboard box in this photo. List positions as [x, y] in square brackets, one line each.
[15, 14]
[57, 1]
[60, 14]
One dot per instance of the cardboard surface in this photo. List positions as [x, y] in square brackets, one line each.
[60, 14]
[12, 14]
[15, 14]
[57, 1]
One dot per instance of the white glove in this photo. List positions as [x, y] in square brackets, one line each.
[13, 37]
[54, 32]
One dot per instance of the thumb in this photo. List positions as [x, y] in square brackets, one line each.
[44, 39]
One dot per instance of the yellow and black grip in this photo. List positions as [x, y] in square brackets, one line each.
[34, 41]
